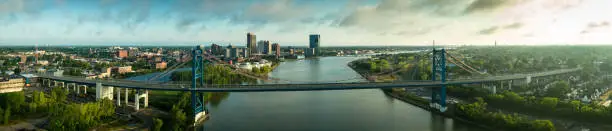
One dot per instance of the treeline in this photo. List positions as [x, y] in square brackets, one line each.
[477, 112]
[213, 74]
[262, 70]
[180, 110]
[80, 117]
[544, 106]
[62, 115]
[374, 65]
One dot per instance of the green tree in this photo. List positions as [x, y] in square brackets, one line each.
[17, 71]
[178, 119]
[559, 89]
[2, 115]
[542, 125]
[549, 103]
[157, 123]
[7, 115]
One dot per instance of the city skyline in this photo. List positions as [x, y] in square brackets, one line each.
[348, 22]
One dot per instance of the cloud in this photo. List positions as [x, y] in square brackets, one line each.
[513, 25]
[488, 31]
[598, 24]
[129, 15]
[483, 5]
[23, 8]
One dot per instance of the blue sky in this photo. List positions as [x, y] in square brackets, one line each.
[340, 22]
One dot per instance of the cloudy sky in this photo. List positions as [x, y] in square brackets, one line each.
[340, 22]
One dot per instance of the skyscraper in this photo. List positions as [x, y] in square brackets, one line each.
[314, 43]
[216, 49]
[251, 43]
[264, 47]
[276, 48]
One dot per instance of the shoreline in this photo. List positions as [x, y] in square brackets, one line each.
[415, 102]
[425, 107]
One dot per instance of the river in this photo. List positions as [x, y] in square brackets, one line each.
[343, 110]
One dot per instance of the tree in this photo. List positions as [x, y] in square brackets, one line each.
[7, 115]
[2, 114]
[559, 89]
[157, 123]
[178, 118]
[542, 125]
[17, 71]
[549, 102]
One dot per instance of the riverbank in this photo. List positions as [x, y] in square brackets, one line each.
[416, 100]
[474, 114]
[424, 104]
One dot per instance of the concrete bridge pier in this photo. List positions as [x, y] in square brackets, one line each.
[78, 89]
[127, 95]
[74, 87]
[493, 88]
[136, 100]
[103, 92]
[510, 85]
[141, 94]
[119, 96]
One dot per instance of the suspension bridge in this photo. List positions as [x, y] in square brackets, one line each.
[438, 82]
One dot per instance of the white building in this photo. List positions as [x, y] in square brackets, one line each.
[43, 62]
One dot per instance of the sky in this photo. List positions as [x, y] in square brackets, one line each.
[289, 22]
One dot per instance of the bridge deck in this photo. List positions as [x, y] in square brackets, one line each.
[297, 87]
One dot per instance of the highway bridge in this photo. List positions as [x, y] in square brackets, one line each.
[295, 87]
[109, 88]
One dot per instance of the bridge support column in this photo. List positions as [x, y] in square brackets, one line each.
[494, 89]
[78, 89]
[103, 92]
[85, 89]
[438, 94]
[118, 96]
[136, 100]
[146, 98]
[127, 91]
[510, 85]
[197, 71]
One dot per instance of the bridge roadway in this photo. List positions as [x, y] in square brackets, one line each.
[297, 87]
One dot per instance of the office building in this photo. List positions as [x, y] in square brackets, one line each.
[314, 43]
[276, 48]
[122, 54]
[23, 59]
[122, 70]
[310, 52]
[251, 43]
[244, 52]
[234, 52]
[216, 49]
[264, 47]
[161, 65]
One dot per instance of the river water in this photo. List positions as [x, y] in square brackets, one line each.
[343, 110]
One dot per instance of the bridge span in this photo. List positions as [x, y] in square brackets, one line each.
[438, 83]
[296, 87]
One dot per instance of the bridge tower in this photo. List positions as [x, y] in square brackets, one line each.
[438, 94]
[197, 100]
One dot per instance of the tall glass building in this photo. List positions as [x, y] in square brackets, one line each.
[314, 43]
